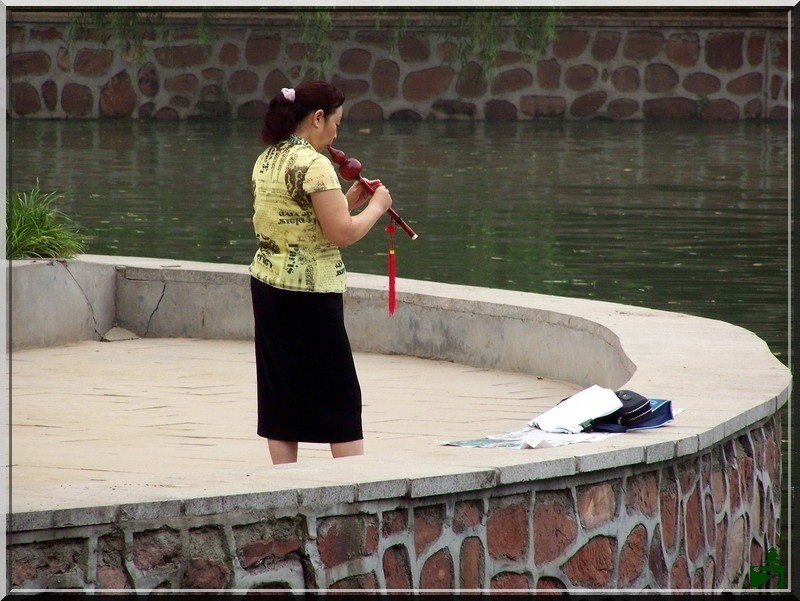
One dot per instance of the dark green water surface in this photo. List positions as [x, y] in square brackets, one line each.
[684, 216]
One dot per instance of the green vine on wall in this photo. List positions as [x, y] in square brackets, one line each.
[481, 34]
[316, 28]
[476, 34]
[131, 29]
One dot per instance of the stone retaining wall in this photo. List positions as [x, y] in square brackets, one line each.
[171, 299]
[691, 507]
[641, 65]
[698, 523]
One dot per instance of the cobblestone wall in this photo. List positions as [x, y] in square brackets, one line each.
[696, 524]
[725, 70]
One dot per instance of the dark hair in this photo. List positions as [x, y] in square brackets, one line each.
[283, 115]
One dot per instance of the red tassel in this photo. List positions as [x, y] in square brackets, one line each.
[392, 269]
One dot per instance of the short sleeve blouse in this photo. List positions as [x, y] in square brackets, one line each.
[293, 253]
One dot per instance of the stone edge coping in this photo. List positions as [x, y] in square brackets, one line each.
[741, 360]
[767, 16]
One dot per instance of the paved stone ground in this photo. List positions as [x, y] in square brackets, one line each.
[133, 420]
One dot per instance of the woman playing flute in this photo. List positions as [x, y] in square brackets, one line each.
[308, 389]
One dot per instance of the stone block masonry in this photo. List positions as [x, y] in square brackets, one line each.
[687, 507]
[619, 65]
[698, 523]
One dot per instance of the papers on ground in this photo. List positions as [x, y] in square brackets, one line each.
[565, 423]
[576, 412]
[530, 438]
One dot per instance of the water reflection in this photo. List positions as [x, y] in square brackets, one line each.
[685, 216]
[691, 217]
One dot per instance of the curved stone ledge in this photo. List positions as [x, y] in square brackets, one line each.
[660, 353]
[695, 362]
[724, 377]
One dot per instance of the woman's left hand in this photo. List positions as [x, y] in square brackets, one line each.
[357, 195]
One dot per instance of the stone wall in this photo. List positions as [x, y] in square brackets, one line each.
[621, 66]
[699, 523]
[691, 506]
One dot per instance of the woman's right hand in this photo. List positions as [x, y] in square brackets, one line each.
[382, 199]
[338, 225]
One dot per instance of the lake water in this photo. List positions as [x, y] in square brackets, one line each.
[684, 216]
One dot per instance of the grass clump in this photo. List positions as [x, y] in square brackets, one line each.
[37, 230]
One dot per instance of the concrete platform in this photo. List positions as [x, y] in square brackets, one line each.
[98, 423]
[135, 463]
[171, 416]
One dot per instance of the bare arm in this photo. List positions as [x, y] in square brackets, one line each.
[339, 226]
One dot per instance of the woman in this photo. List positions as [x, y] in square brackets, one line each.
[308, 390]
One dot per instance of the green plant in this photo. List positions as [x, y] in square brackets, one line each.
[478, 34]
[316, 27]
[482, 33]
[36, 230]
[702, 104]
[131, 29]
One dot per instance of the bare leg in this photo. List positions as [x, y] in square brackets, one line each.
[347, 449]
[282, 451]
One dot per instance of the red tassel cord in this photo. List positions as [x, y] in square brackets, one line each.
[390, 229]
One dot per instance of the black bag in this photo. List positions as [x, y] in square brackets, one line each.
[635, 410]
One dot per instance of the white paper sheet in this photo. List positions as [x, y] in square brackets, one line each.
[571, 415]
[531, 438]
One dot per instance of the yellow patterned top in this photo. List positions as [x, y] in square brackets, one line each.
[293, 253]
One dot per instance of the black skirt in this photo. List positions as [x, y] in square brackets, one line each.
[308, 389]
